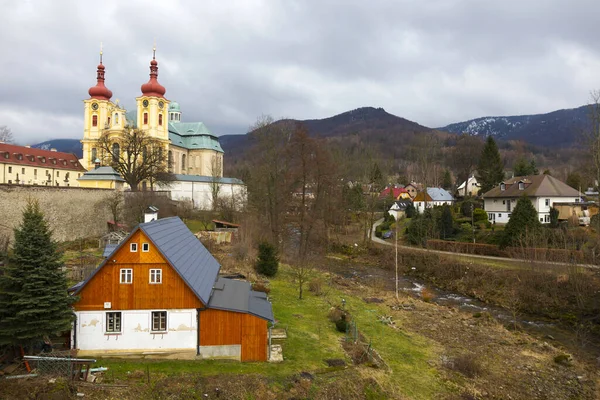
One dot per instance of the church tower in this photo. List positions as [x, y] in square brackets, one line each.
[97, 114]
[152, 107]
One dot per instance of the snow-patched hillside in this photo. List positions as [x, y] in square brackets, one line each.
[558, 128]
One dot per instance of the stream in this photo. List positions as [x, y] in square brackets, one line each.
[538, 327]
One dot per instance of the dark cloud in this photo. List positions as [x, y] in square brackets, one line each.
[226, 63]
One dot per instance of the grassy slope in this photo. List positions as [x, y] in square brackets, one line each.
[312, 338]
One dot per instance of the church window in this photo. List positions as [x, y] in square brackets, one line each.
[9, 170]
[116, 119]
[94, 120]
[116, 150]
[145, 118]
[108, 122]
[94, 154]
[160, 119]
[183, 163]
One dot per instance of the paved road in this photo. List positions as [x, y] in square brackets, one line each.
[392, 243]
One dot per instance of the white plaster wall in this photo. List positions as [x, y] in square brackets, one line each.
[498, 206]
[200, 193]
[135, 333]
[420, 205]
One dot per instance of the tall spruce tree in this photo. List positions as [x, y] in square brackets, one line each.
[33, 289]
[523, 221]
[490, 170]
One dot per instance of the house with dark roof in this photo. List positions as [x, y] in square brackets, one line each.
[542, 190]
[398, 208]
[159, 290]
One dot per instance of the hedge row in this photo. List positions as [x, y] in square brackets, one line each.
[539, 254]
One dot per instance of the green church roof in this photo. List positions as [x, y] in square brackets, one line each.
[174, 106]
[192, 136]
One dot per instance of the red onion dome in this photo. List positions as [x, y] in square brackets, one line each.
[153, 88]
[100, 91]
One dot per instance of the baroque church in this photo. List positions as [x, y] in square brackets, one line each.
[194, 153]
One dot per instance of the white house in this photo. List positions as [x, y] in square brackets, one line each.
[542, 190]
[470, 187]
[200, 190]
[433, 197]
[398, 208]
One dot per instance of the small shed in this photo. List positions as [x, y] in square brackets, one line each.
[224, 226]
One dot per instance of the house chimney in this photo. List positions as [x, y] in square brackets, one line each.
[151, 214]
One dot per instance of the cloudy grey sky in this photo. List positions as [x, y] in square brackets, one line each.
[227, 62]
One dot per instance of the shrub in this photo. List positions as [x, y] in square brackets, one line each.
[480, 215]
[316, 286]
[467, 365]
[562, 359]
[426, 294]
[267, 262]
[342, 324]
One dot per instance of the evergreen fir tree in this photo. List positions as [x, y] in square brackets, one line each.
[490, 170]
[267, 263]
[447, 180]
[446, 222]
[524, 220]
[33, 289]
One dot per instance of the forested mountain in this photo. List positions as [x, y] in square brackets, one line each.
[555, 129]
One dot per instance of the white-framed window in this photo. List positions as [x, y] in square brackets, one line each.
[521, 186]
[159, 321]
[126, 275]
[145, 247]
[156, 276]
[113, 322]
[133, 247]
[547, 202]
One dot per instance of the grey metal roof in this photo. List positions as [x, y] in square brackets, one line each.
[102, 174]
[184, 252]
[439, 194]
[232, 295]
[194, 263]
[108, 249]
[207, 179]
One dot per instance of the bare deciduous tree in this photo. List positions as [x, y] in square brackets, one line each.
[216, 172]
[592, 136]
[136, 156]
[6, 134]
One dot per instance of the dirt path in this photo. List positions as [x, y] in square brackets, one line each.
[449, 253]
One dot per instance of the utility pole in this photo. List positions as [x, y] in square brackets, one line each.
[396, 239]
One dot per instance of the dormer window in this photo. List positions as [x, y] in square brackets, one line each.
[521, 186]
[502, 186]
[6, 155]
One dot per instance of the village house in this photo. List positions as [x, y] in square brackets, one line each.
[159, 290]
[23, 165]
[398, 209]
[542, 190]
[397, 193]
[412, 189]
[431, 198]
[470, 187]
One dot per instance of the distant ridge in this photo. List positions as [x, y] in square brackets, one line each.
[555, 129]
[371, 125]
[65, 145]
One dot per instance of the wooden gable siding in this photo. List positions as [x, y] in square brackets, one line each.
[105, 286]
[220, 327]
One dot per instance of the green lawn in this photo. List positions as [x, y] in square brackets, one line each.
[313, 338]
[196, 225]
